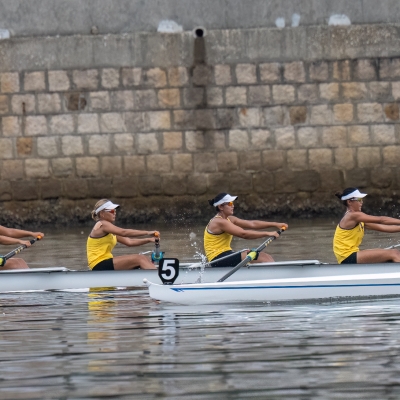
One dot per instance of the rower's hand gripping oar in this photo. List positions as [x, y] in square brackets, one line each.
[253, 255]
[3, 259]
[157, 254]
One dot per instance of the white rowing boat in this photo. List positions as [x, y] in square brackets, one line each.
[286, 289]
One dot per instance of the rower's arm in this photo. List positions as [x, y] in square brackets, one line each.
[383, 228]
[17, 233]
[11, 240]
[108, 227]
[134, 242]
[237, 231]
[256, 224]
[371, 219]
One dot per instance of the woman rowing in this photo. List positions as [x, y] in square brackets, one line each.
[105, 235]
[223, 226]
[15, 236]
[350, 232]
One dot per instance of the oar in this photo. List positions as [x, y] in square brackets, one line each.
[3, 259]
[218, 259]
[251, 256]
[157, 254]
[392, 247]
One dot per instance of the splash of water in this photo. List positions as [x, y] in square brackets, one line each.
[199, 256]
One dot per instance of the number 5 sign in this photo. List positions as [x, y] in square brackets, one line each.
[168, 270]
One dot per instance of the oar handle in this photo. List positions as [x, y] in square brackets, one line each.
[157, 254]
[252, 255]
[3, 259]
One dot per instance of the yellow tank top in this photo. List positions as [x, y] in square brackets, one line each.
[215, 244]
[346, 241]
[99, 249]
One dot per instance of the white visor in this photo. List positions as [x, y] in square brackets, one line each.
[226, 199]
[356, 194]
[107, 206]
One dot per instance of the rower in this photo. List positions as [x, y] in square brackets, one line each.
[223, 226]
[350, 232]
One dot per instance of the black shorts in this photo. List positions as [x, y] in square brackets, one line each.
[351, 259]
[105, 265]
[227, 262]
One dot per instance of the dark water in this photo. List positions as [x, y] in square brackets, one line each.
[120, 344]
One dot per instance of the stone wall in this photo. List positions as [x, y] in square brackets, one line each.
[284, 135]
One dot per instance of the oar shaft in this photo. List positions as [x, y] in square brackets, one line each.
[3, 259]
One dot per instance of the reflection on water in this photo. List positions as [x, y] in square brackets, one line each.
[120, 344]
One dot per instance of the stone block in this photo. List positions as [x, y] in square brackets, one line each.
[150, 185]
[136, 121]
[250, 161]
[5, 191]
[62, 124]
[58, 81]
[101, 188]
[307, 93]
[11, 126]
[369, 112]
[382, 177]
[235, 95]
[273, 159]
[364, 70]
[131, 76]
[146, 99]
[383, 134]
[178, 76]
[249, 117]
[147, 143]
[368, 157]
[222, 75]
[24, 146]
[110, 78]
[134, 165]
[182, 163]
[380, 91]
[100, 101]
[6, 146]
[87, 167]
[225, 118]
[275, 116]
[34, 81]
[354, 90]
[24, 190]
[283, 94]
[23, 104]
[205, 162]
[61, 167]
[155, 77]
[308, 137]
[294, 72]
[48, 103]
[158, 163]
[334, 136]
[396, 90]
[263, 182]
[35, 125]
[86, 79]
[172, 141]
[329, 91]
[4, 106]
[357, 177]
[194, 140]
[71, 145]
[75, 189]
[285, 182]
[202, 75]
[342, 70]
[320, 158]
[111, 166]
[88, 123]
[197, 184]
[125, 187]
[270, 72]
[343, 112]
[124, 143]
[12, 169]
[246, 74]
[261, 139]
[389, 68]
[392, 111]
[285, 138]
[321, 115]
[9, 82]
[159, 120]
[47, 146]
[112, 123]
[37, 168]
[345, 158]
[359, 135]
[204, 119]
[391, 156]
[175, 184]
[99, 144]
[215, 140]
[169, 98]
[227, 161]
[238, 139]
[297, 159]
[193, 97]
[319, 71]
[332, 178]
[298, 115]
[214, 96]
[240, 183]
[260, 94]
[75, 101]
[122, 100]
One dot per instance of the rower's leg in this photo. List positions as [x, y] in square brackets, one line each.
[377, 256]
[262, 257]
[133, 261]
[15, 263]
